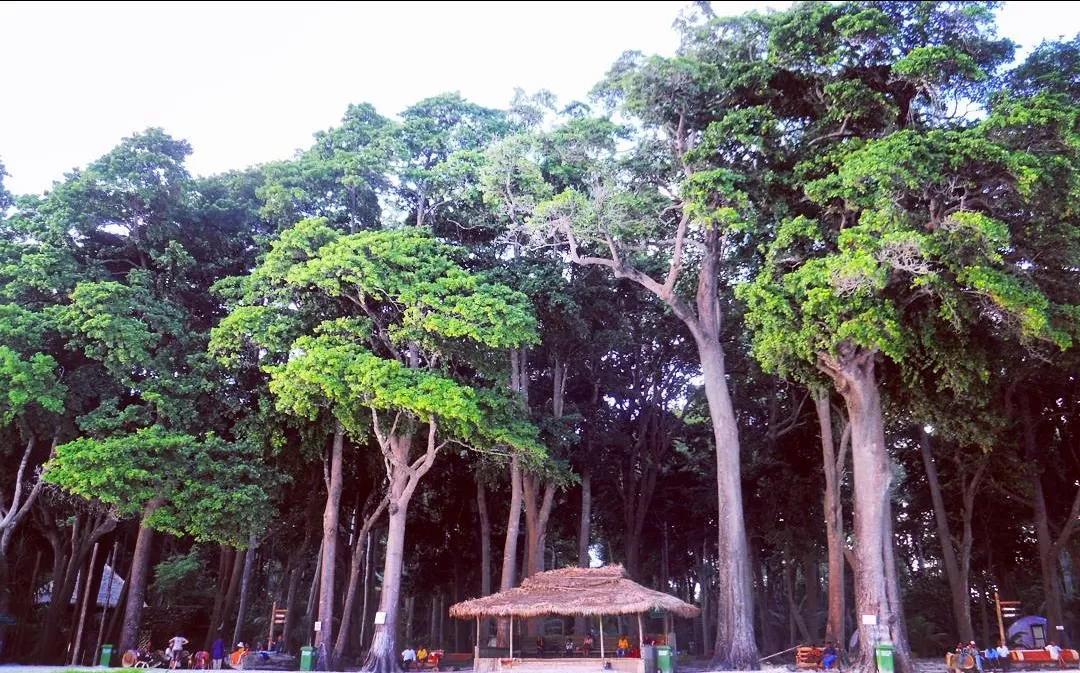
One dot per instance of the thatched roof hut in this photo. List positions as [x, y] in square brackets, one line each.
[574, 592]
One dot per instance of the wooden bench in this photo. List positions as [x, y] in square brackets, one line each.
[1042, 657]
[808, 657]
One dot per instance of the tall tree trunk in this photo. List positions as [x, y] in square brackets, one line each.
[140, 571]
[509, 560]
[735, 648]
[225, 560]
[404, 477]
[245, 585]
[852, 371]
[334, 470]
[833, 465]
[236, 575]
[485, 551]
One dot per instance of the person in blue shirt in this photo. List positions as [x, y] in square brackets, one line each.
[828, 655]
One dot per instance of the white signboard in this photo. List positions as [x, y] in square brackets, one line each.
[380, 617]
[869, 620]
[318, 627]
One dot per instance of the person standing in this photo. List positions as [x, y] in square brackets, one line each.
[217, 653]
[176, 646]
[587, 643]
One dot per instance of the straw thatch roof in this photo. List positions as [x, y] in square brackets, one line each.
[574, 592]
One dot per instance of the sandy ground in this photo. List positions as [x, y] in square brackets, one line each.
[921, 666]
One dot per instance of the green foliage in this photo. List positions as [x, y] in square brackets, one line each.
[385, 321]
[28, 381]
[208, 488]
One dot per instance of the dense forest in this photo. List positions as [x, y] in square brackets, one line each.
[786, 324]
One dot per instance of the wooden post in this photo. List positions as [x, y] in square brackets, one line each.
[640, 637]
[88, 581]
[997, 609]
[511, 636]
[600, 618]
[270, 636]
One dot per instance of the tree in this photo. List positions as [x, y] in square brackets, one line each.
[208, 488]
[392, 334]
[926, 260]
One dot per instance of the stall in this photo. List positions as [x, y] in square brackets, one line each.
[570, 592]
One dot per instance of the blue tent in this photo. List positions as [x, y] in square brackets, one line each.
[1027, 632]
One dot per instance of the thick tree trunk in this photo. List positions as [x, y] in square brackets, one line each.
[140, 572]
[735, 647]
[245, 585]
[404, 476]
[216, 629]
[324, 638]
[509, 560]
[833, 465]
[239, 561]
[853, 373]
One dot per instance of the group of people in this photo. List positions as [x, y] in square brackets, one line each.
[998, 657]
[176, 653]
[417, 659]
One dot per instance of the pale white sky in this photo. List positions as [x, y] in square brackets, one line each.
[250, 82]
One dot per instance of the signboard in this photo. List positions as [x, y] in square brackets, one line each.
[869, 620]
[318, 627]
[380, 617]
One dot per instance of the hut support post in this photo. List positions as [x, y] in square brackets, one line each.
[640, 636]
[600, 618]
[511, 636]
[476, 652]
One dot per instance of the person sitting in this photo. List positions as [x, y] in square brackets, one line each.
[587, 643]
[828, 655]
[421, 657]
[1055, 653]
[279, 644]
[238, 654]
[569, 647]
[622, 647]
[1003, 655]
[408, 659]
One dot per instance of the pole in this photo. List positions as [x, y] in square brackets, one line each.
[88, 581]
[270, 637]
[111, 565]
[600, 618]
[640, 636]
[1001, 624]
[511, 636]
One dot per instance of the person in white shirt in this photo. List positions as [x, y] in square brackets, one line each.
[1003, 655]
[408, 658]
[176, 645]
[1055, 653]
